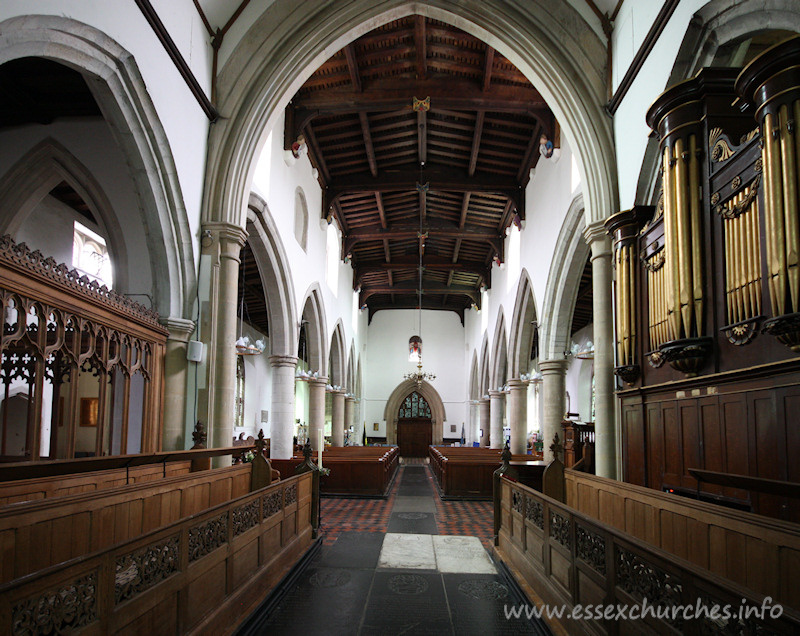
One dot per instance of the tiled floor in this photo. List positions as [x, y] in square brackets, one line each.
[410, 564]
[473, 518]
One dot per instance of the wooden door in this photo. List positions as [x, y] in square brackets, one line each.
[414, 435]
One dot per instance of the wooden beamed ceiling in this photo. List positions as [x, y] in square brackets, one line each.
[424, 138]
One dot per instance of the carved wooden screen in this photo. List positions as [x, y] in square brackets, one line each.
[81, 366]
[414, 406]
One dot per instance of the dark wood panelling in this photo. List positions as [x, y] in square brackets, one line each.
[733, 410]
[711, 435]
[690, 441]
[672, 446]
[634, 455]
[745, 426]
[655, 447]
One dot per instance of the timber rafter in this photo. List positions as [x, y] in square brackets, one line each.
[424, 138]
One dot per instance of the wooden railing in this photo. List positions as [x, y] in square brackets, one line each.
[756, 552]
[573, 559]
[41, 533]
[204, 573]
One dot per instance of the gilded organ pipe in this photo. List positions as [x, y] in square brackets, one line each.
[770, 85]
[789, 174]
[624, 228]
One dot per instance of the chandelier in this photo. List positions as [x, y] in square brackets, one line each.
[420, 376]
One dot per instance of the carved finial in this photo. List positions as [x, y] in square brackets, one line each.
[556, 447]
[307, 451]
[199, 435]
[260, 442]
[506, 455]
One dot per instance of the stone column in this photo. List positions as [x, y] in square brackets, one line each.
[518, 416]
[176, 368]
[282, 415]
[316, 409]
[349, 414]
[554, 373]
[337, 418]
[603, 333]
[496, 399]
[484, 422]
[223, 243]
[473, 432]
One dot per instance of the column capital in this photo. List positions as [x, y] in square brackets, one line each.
[494, 395]
[349, 398]
[553, 367]
[320, 381]
[597, 238]
[283, 361]
[224, 232]
[483, 401]
[517, 384]
[179, 328]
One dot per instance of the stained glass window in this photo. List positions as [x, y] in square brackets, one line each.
[414, 406]
[414, 349]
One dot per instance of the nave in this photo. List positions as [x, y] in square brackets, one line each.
[409, 564]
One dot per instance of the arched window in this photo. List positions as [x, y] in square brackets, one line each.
[414, 406]
[414, 349]
[90, 254]
[300, 218]
[238, 403]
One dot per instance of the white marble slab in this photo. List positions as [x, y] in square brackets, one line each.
[457, 554]
[407, 551]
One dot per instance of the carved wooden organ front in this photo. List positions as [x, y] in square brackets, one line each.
[707, 284]
[81, 366]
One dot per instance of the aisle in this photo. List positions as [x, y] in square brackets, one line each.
[395, 566]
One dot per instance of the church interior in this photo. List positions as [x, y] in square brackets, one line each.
[386, 316]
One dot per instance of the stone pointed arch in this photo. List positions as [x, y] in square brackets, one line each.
[350, 382]
[119, 89]
[431, 395]
[276, 278]
[484, 367]
[569, 259]
[499, 359]
[337, 354]
[714, 25]
[313, 315]
[474, 385]
[32, 178]
[566, 64]
[523, 329]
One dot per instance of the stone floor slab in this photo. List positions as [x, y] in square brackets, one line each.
[462, 555]
[407, 551]
[414, 504]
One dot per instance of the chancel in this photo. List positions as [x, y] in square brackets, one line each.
[392, 316]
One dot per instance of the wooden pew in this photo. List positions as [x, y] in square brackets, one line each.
[25, 481]
[366, 471]
[200, 574]
[757, 552]
[466, 473]
[41, 533]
